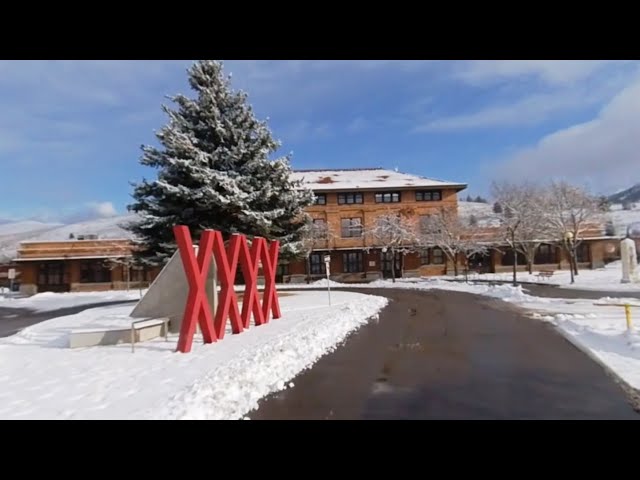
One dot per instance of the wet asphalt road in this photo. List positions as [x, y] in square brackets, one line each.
[459, 356]
[12, 320]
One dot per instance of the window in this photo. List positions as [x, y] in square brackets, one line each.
[582, 253]
[94, 272]
[349, 198]
[390, 197]
[428, 195]
[319, 222]
[52, 274]
[545, 254]
[317, 264]
[507, 257]
[432, 256]
[351, 227]
[138, 274]
[320, 199]
[352, 262]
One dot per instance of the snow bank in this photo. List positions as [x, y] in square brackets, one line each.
[605, 279]
[49, 301]
[598, 328]
[40, 378]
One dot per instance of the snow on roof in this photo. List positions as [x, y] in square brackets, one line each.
[367, 178]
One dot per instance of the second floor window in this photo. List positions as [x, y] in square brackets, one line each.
[320, 199]
[428, 196]
[349, 198]
[389, 197]
[351, 227]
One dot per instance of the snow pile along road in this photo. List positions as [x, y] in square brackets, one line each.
[41, 378]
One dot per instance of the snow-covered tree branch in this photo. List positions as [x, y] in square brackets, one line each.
[570, 212]
[316, 235]
[215, 171]
[395, 233]
[446, 230]
[523, 218]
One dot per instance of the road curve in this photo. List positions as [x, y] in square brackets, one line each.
[451, 355]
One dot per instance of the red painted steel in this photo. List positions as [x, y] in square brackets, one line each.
[197, 306]
[237, 253]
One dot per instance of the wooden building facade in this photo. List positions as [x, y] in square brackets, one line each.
[79, 265]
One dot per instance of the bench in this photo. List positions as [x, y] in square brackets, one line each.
[545, 274]
[140, 331]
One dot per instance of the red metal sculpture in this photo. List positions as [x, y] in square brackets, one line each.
[227, 261]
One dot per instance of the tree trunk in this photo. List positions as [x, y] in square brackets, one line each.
[530, 266]
[574, 256]
[128, 269]
[570, 252]
[393, 266]
[308, 268]
[455, 265]
[466, 269]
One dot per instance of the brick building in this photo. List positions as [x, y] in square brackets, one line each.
[349, 201]
[79, 265]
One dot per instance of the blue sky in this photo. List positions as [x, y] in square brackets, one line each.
[70, 131]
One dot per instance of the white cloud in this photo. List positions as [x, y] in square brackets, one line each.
[537, 106]
[103, 209]
[529, 110]
[552, 72]
[603, 152]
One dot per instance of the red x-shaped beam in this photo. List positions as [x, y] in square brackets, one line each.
[269, 264]
[227, 260]
[250, 261]
[197, 307]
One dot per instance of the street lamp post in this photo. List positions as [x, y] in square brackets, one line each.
[569, 239]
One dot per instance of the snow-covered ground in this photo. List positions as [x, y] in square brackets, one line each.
[605, 279]
[40, 378]
[226, 380]
[597, 328]
[622, 218]
[48, 301]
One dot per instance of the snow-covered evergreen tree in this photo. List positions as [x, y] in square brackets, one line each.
[215, 171]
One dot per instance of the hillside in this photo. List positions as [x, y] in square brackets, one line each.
[630, 195]
[12, 234]
[483, 212]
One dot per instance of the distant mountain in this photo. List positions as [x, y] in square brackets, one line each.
[629, 195]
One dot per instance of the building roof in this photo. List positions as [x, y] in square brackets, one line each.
[367, 178]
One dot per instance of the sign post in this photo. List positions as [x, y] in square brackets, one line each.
[11, 274]
[327, 263]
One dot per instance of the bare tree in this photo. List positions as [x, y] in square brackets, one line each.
[395, 233]
[123, 258]
[570, 212]
[522, 219]
[470, 245]
[445, 230]
[316, 234]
